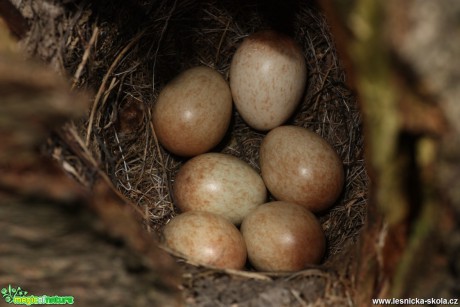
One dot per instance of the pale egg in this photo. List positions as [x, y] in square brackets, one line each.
[193, 112]
[221, 184]
[207, 239]
[267, 79]
[300, 166]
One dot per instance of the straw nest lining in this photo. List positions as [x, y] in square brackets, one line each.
[126, 55]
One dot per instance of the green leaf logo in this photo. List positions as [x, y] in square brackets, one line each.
[10, 293]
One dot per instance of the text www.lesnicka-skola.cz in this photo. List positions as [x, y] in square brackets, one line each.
[415, 301]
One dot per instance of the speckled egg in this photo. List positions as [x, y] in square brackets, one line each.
[193, 112]
[267, 79]
[221, 184]
[207, 239]
[283, 237]
[300, 166]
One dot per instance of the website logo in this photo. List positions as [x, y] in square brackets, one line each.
[18, 296]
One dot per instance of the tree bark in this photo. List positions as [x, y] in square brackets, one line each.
[401, 57]
[57, 237]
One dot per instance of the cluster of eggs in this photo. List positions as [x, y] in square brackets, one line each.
[217, 193]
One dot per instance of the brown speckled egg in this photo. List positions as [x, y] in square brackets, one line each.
[283, 237]
[207, 239]
[221, 184]
[193, 112]
[267, 79]
[300, 166]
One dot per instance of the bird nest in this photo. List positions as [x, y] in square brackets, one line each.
[126, 51]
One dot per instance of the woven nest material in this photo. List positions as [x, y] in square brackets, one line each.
[126, 53]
